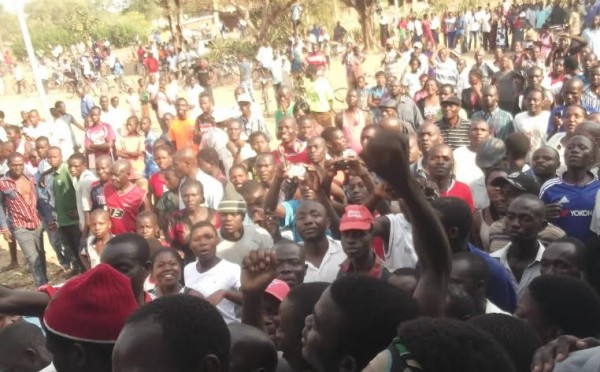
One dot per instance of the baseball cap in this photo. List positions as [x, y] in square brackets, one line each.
[278, 289]
[418, 44]
[452, 100]
[490, 153]
[232, 206]
[92, 307]
[520, 181]
[356, 217]
[244, 97]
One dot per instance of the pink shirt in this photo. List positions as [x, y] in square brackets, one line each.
[99, 134]
[352, 126]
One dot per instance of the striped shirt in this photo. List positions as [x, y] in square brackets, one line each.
[20, 212]
[590, 98]
[457, 136]
[499, 121]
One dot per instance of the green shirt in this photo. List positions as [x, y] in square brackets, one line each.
[280, 114]
[64, 196]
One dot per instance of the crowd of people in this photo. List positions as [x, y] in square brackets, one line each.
[447, 219]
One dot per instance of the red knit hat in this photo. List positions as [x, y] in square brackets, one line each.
[92, 307]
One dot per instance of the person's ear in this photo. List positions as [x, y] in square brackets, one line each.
[31, 355]
[147, 266]
[79, 355]
[347, 364]
[210, 363]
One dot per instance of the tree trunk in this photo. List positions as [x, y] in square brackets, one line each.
[179, 41]
[264, 23]
[366, 31]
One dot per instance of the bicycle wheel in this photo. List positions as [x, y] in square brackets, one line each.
[340, 94]
[265, 96]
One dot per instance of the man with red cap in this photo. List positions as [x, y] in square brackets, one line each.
[84, 318]
[356, 227]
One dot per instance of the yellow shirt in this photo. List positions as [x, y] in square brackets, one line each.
[318, 95]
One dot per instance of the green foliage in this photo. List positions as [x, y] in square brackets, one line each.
[221, 48]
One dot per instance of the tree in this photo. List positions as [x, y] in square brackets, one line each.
[365, 10]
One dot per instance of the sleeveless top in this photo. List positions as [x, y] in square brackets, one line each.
[123, 209]
[352, 126]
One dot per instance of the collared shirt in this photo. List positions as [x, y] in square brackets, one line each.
[499, 121]
[457, 136]
[20, 212]
[590, 98]
[531, 272]
[378, 270]
[255, 123]
[83, 185]
[409, 112]
[330, 265]
[64, 196]
[498, 237]
[490, 308]
[86, 106]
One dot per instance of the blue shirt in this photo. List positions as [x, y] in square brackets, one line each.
[86, 106]
[577, 204]
[561, 109]
[500, 289]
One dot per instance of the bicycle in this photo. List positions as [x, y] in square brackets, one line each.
[340, 94]
[264, 78]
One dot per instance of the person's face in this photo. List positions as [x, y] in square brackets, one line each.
[428, 136]
[305, 129]
[287, 131]
[561, 258]
[490, 98]
[100, 225]
[16, 166]
[589, 62]
[522, 221]
[450, 110]
[245, 108]
[291, 266]
[579, 152]
[203, 242]
[446, 92]
[413, 150]
[356, 190]
[166, 269]
[545, 162]
[182, 167]
[114, 102]
[563, 42]
[61, 109]
[104, 103]
[146, 227]
[321, 334]
[12, 135]
[162, 158]
[498, 54]
[317, 149]
[504, 63]
[479, 132]
[361, 83]
[124, 257]
[270, 315]
[440, 162]
[119, 176]
[352, 98]
[192, 198]
[479, 57]
[265, 168]
[366, 136]
[431, 88]
[597, 21]
[283, 98]
[145, 125]
[414, 65]
[339, 143]
[259, 144]
[103, 170]
[34, 118]
[356, 243]
[95, 116]
[574, 116]
[461, 276]
[380, 80]
[572, 94]
[534, 78]
[395, 87]
[558, 68]
[205, 104]
[534, 102]
[76, 167]
[181, 107]
[234, 130]
[54, 158]
[237, 177]
[311, 221]
[131, 126]
[232, 222]
[141, 346]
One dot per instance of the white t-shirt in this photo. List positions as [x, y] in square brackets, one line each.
[401, 251]
[330, 266]
[254, 238]
[534, 127]
[224, 276]
[61, 136]
[82, 193]
[466, 171]
[446, 72]
[213, 190]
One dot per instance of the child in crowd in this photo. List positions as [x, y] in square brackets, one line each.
[150, 139]
[156, 182]
[169, 202]
[133, 101]
[100, 229]
[209, 162]
[131, 148]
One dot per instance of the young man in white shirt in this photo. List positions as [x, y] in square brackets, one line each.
[534, 122]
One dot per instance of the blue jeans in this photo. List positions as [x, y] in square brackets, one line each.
[45, 210]
[30, 242]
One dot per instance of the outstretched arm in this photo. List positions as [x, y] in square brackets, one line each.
[387, 155]
[258, 270]
[19, 302]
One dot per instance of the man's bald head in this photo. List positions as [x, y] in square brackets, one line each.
[103, 160]
[394, 124]
[120, 166]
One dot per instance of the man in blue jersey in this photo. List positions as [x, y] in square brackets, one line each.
[570, 200]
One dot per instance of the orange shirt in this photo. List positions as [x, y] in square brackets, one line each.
[182, 133]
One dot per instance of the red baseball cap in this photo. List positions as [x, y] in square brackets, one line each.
[278, 289]
[356, 217]
[92, 307]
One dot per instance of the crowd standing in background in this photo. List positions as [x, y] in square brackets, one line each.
[447, 219]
